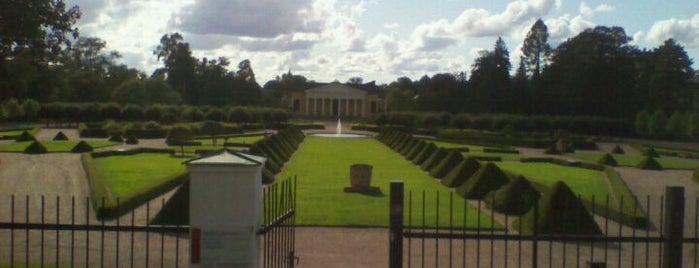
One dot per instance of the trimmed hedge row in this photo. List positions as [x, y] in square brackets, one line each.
[277, 148]
[563, 162]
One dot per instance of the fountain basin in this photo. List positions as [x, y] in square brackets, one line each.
[342, 135]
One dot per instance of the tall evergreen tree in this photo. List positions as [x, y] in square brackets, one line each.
[490, 80]
[536, 49]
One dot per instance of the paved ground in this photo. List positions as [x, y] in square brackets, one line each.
[62, 174]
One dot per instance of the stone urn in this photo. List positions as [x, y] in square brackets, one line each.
[360, 177]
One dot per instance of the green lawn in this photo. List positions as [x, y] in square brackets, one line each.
[53, 146]
[322, 167]
[18, 132]
[632, 160]
[127, 176]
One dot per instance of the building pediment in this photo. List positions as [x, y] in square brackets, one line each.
[335, 91]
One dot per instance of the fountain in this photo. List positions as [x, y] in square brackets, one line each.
[339, 134]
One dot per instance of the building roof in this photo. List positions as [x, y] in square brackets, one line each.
[228, 157]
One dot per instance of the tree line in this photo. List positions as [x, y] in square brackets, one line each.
[598, 72]
[595, 73]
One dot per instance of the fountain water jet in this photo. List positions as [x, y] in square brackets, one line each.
[338, 133]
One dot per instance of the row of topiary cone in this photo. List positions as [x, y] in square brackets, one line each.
[505, 193]
[37, 148]
[277, 148]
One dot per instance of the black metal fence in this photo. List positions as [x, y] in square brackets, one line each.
[64, 232]
[279, 217]
[428, 232]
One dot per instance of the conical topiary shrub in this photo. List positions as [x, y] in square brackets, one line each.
[649, 163]
[650, 151]
[452, 159]
[35, 148]
[617, 149]
[461, 173]
[81, 147]
[415, 151]
[488, 178]
[516, 197]
[434, 159]
[559, 212]
[60, 136]
[403, 150]
[607, 159]
[25, 136]
[426, 153]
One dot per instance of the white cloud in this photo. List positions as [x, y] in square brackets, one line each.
[588, 12]
[260, 18]
[391, 26]
[684, 31]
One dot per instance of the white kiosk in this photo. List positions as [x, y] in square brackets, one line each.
[224, 209]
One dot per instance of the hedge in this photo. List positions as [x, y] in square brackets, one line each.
[424, 154]
[500, 150]
[452, 159]
[35, 148]
[106, 204]
[516, 197]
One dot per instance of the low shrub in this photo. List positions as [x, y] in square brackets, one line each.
[81, 147]
[60, 136]
[486, 158]
[25, 136]
[131, 139]
[488, 178]
[35, 148]
[516, 197]
[649, 163]
[500, 150]
[607, 159]
[617, 149]
[650, 152]
[116, 138]
[461, 173]
[559, 212]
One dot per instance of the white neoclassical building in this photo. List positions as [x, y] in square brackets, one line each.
[337, 100]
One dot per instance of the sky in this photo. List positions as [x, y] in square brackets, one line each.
[378, 40]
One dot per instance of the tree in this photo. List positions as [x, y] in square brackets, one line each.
[641, 123]
[590, 73]
[87, 55]
[677, 125]
[536, 50]
[669, 85]
[179, 135]
[355, 80]
[179, 66]
[40, 27]
[490, 80]
[657, 123]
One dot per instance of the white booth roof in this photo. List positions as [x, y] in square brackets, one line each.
[228, 157]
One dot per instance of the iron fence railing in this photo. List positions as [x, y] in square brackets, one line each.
[426, 232]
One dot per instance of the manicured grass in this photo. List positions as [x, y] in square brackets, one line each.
[322, 168]
[632, 160]
[18, 132]
[53, 146]
[583, 182]
[127, 176]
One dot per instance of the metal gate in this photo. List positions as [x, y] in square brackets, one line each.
[278, 220]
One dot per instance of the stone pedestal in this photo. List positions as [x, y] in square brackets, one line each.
[360, 180]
